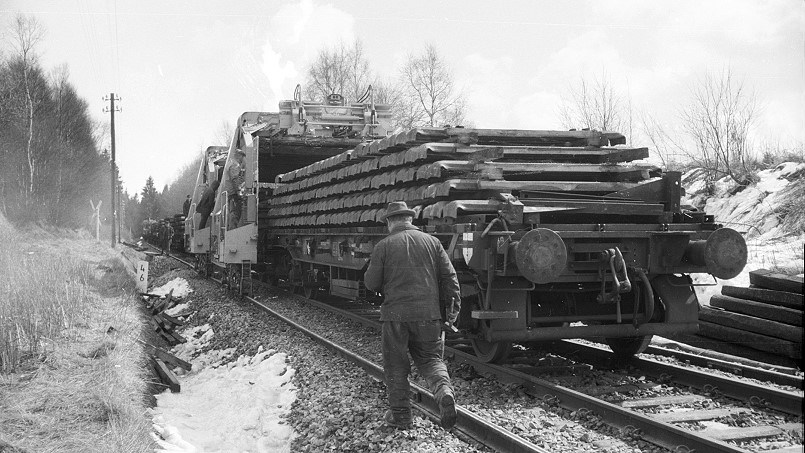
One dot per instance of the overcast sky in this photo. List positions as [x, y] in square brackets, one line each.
[183, 68]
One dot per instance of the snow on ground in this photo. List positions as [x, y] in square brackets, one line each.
[176, 310]
[179, 286]
[752, 212]
[222, 408]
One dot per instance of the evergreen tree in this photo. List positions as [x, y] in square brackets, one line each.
[150, 200]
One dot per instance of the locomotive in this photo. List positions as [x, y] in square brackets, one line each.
[553, 234]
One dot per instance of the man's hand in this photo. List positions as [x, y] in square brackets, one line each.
[449, 327]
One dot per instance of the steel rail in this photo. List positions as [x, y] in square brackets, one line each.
[741, 369]
[186, 263]
[769, 397]
[649, 429]
[657, 432]
[468, 424]
[788, 402]
[660, 433]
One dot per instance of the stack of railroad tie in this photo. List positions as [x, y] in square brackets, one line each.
[165, 325]
[441, 170]
[767, 316]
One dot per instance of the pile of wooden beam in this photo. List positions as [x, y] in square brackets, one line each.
[163, 363]
[162, 323]
[137, 247]
[165, 326]
[767, 316]
[431, 168]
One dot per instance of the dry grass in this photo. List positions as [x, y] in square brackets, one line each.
[76, 385]
[792, 210]
[41, 294]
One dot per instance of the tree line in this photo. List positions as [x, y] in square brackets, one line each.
[52, 166]
[422, 92]
[713, 129]
[54, 170]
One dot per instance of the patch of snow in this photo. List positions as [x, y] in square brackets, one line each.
[174, 311]
[236, 407]
[197, 337]
[751, 212]
[179, 286]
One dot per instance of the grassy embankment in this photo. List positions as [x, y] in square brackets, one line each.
[67, 381]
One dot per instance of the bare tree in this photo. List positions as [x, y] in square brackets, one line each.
[388, 91]
[27, 34]
[50, 158]
[223, 135]
[596, 104]
[668, 149]
[342, 69]
[719, 120]
[431, 97]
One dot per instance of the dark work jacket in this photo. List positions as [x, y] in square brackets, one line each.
[207, 202]
[412, 270]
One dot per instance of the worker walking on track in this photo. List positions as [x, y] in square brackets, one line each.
[421, 297]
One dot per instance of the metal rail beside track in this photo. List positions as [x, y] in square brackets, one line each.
[652, 430]
[657, 432]
[769, 397]
[468, 424]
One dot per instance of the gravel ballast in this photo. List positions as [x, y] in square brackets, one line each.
[340, 408]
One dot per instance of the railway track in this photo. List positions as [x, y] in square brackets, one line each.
[469, 426]
[662, 429]
[670, 428]
[752, 370]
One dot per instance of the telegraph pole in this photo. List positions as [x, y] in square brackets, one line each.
[111, 109]
[121, 210]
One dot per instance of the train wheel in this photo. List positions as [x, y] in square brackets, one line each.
[626, 347]
[491, 352]
[310, 291]
[202, 265]
[233, 278]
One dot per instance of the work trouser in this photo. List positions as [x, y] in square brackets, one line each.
[236, 206]
[423, 340]
[202, 223]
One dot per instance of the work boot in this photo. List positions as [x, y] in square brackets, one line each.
[397, 422]
[447, 411]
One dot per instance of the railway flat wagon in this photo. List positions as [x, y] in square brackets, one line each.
[554, 234]
[300, 134]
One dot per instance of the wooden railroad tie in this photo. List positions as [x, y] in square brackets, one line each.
[768, 316]
[166, 375]
[161, 322]
[160, 359]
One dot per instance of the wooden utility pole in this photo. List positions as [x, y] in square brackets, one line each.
[121, 211]
[111, 109]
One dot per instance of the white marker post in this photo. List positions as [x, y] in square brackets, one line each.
[96, 216]
[142, 276]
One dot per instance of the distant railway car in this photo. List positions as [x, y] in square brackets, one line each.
[300, 134]
[197, 240]
[554, 234]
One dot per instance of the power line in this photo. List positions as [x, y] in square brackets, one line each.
[117, 50]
